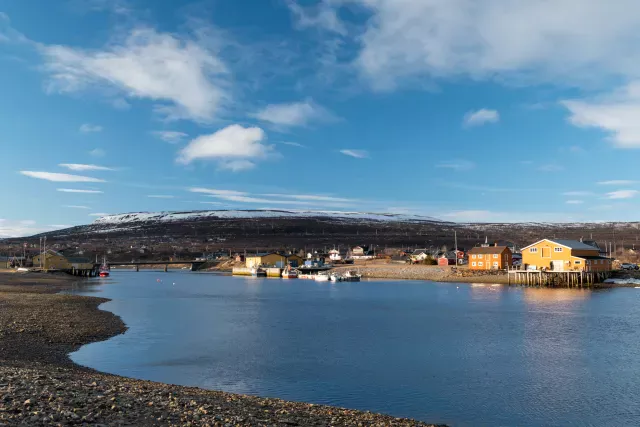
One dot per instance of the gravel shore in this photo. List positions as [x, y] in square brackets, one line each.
[39, 385]
[426, 272]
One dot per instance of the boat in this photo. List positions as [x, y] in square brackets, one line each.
[104, 269]
[258, 272]
[289, 273]
[321, 277]
[351, 276]
[335, 277]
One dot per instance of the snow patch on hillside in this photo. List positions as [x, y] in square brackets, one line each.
[137, 217]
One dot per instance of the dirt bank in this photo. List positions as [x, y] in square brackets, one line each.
[39, 385]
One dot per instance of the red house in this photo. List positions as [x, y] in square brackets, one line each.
[443, 261]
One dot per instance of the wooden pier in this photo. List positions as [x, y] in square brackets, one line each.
[570, 279]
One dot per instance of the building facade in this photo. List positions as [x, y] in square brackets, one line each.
[564, 255]
[490, 258]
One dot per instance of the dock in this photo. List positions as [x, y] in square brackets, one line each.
[570, 279]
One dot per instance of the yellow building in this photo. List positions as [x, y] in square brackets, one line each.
[272, 259]
[52, 260]
[564, 255]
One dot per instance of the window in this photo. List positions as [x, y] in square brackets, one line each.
[473, 263]
[557, 249]
[479, 264]
[495, 264]
[533, 250]
[474, 257]
[495, 256]
[577, 262]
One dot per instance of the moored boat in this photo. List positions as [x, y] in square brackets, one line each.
[104, 270]
[258, 272]
[321, 277]
[289, 273]
[351, 276]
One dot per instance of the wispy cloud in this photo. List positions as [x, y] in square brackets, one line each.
[89, 128]
[60, 177]
[77, 207]
[74, 190]
[311, 197]
[481, 117]
[622, 194]
[575, 202]
[275, 199]
[293, 144]
[293, 114]
[160, 196]
[358, 154]
[618, 182]
[234, 147]
[458, 165]
[216, 192]
[185, 74]
[97, 152]
[172, 137]
[82, 168]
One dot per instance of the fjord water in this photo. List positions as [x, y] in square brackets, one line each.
[457, 354]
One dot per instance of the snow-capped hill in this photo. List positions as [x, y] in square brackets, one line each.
[141, 217]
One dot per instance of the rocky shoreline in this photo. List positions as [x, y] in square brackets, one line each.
[39, 385]
[430, 273]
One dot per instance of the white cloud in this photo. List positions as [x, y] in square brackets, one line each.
[172, 137]
[80, 168]
[60, 226]
[481, 117]
[616, 114]
[617, 182]
[185, 75]
[293, 114]
[575, 202]
[216, 192]
[60, 177]
[77, 207]
[622, 194]
[559, 41]
[293, 144]
[89, 128]
[97, 152]
[19, 228]
[73, 190]
[281, 199]
[358, 154]
[160, 196]
[458, 165]
[232, 147]
[322, 16]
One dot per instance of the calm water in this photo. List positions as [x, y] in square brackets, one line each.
[459, 354]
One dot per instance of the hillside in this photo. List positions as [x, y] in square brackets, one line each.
[160, 234]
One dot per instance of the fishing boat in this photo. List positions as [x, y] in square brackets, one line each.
[289, 273]
[104, 269]
[258, 272]
[321, 277]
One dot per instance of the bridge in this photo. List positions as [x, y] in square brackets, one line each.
[195, 265]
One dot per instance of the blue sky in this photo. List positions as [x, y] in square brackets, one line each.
[488, 110]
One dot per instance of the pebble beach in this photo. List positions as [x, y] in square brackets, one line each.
[39, 385]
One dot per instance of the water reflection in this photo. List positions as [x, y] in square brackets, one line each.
[551, 296]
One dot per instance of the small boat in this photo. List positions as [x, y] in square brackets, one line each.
[258, 272]
[289, 273]
[104, 269]
[321, 277]
[351, 276]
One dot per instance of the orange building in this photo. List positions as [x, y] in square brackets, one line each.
[564, 255]
[490, 258]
